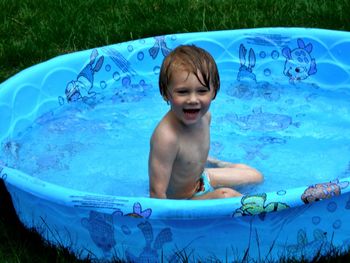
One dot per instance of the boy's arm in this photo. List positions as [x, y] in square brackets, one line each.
[161, 159]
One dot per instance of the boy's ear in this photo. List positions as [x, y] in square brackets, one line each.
[213, 96]
[165, 97]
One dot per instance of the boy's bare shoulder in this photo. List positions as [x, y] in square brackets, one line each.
[165, 133]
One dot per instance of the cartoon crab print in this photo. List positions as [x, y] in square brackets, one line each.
[299, 64]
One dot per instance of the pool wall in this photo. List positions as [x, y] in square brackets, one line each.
[288, 222]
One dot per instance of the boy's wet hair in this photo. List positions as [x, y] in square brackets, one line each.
[193, 60]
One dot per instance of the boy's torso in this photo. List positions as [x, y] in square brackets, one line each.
[190, 161]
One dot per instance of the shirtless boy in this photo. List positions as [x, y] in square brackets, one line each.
[189, 81]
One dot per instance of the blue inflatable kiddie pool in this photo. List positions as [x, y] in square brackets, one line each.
[75, 133]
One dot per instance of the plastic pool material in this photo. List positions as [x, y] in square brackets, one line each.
[298, 221]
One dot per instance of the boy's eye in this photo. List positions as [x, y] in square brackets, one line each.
[203, 91]
[181, 91]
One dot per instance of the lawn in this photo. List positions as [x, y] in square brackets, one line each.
[34, 31]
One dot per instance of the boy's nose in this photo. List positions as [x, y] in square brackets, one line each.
[192, 99]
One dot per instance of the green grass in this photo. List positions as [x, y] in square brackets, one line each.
[19, 244]
[33, 31]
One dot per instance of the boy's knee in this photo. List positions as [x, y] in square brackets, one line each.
[254, 176]
[257, 176]
[228, 192]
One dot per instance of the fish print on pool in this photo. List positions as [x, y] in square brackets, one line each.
[101, 226]
[101, 229]
[323, 191]
[299, 64]
[262, 121]
[256, 205]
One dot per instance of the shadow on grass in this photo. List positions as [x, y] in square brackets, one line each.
[20, 244]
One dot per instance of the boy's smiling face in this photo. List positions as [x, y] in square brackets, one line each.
[189, 99]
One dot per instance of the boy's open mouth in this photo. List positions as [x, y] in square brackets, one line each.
[191, 113]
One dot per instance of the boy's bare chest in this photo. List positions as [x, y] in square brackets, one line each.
[193, 150]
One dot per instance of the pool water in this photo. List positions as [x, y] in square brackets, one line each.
[295, 135]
